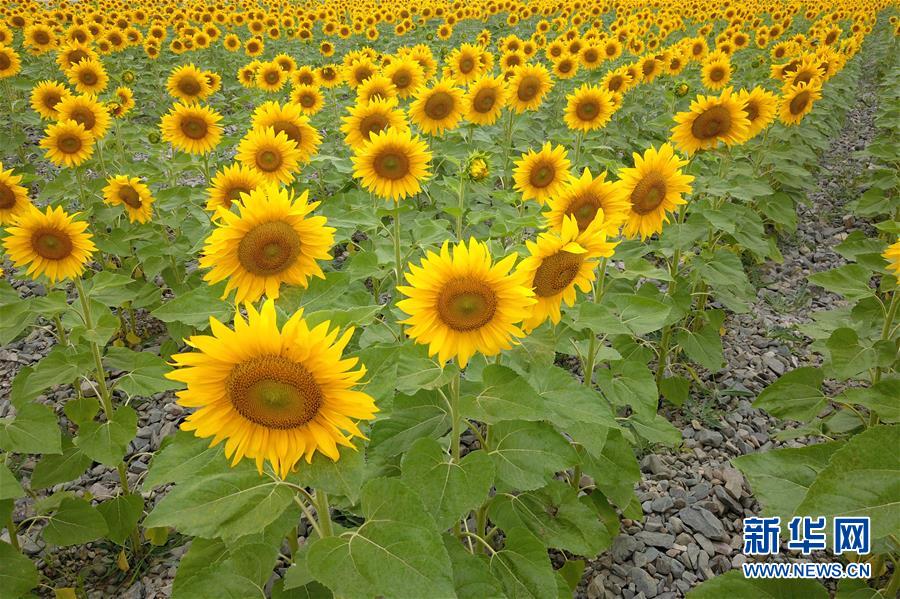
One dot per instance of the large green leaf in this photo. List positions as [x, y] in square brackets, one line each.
[849, 280]
[122, 515]
[609, 459]
[63, 365]
[501, 395]
[472, 577]
[143, 372]
[797, 395]
[107, 443]
[523, 567]
[342, 477]
[183, 457]
[34, 429]
[397, 552]
[9, 486]
[73, 523]
[850, 358]
[881, 398]
[724, 273]
[54, 469]
[567, 400]
[526, 454]
[733, 584]
[629, 383]
[195, 307]
[705, 345]
[421, 415]
[18, 574]
[15, 317]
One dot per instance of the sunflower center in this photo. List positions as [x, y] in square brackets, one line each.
[69, 144]
[439, 105]
[234, 194]
[803, 77]
[798, 104]
[555, 273]
[189, 86]
[7, 197]
[584, 210]
[564, 66]
[84, 117]
[402, 80]
[363, 73]
[391, 165]
[466, 305]
[307, 101]
[129, 196]
[51, 99]
[373, 123]
[484, 100]
[290, 129]
[528, 88]
[194, 127]
[752, 111]
[274, 392]
[713, 123]
[42, 38]
[51, 244]
[542, 175]
[716, 74]
[587, 110]
[89, 78]
[272, 77]
[648, 194]
[268, 160]
[5, 62]
[466, 65]
[590, 56]
[269, 248]
[648, 67]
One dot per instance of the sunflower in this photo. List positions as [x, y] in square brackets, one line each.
[566, 67]
[375, 87]
[270, 240]
[88, 76]
[309, 98]
[86, 111]
[617, 81]
[542, 175]
[328, 76]
[586, 197]
[760, 106]
[715, 71]
[358, 71]
[484, 100]
[230, 184]
[367, 119]
[188, 84]
[270, 77]
[13, 197]
[290, 120]
[407, 76]
[192, 128]
[560, 262]
[67, 143]
[51, 243]
[271, 153]
[437, 108]
[528, 86]
[806, 71]
[10, 63]
[232, 42]
[653, 186]
[125, 98]
[892, 255]
[45, 96]
[304, 75]
[392, 164]
[271, 394]
[588, 108]
[131, 193]
[797, 101]
[39, 39]
[709, 121]
[459, 302]
[464, 63]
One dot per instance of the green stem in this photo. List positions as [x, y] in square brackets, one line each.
[60, 330]
[398, 267]
[667, 331]
[323, 512]
[592, 346]
[579, 140]
[79, 177]
[509, 144]
[456, 430]
[461, 206]
[885, 334]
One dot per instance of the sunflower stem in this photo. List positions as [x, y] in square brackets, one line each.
[60, 330]
[292, 535]
[579, 140]
[461, 206]
[79, 177]
[509, 147]
[323, 513]
[885, 335]
[592, 346]
[398, 267]
[454, 416]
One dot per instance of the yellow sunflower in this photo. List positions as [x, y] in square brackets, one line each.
[290, 120]
[375, 87]
[272, 395]
[88, 76]
[367, 119]
[230, 184]
[588, 108]
[437, 108]
[10, 63]
[86, 111]
[528, 86]
[586, 197]
[797, 101]
[309, 98]
[392, 164]
[653, 186]
[51, 243]
[460, 303]
[125, 98]
[13, 197]
[892, 255]
[67, 143]
[45, 96]
[760, 106]
[485, 99]
[73, 53]
[542, 175]
[715, 71]
[270, 77]
[272, 154]
[131, 193]
[559, 262]
[188, 84]
[271, 240]
[407, 76]
[709, 121]
[192, 128]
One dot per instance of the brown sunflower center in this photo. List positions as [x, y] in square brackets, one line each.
[51, 244]
[194, 127]
[584, 209]
[51, 99]
[89, 77]
[307, 100]
[615, 83]
[799, 102]
[268, 160]
[590, 56]
[555, 273]
[5, 62]
[372, 123]
[439, 105]
[69, 144]
[485, 100]
[712, 123]
[564, 66]
[401, 79]
[84, 117]
[7, 197]
[803, 77]
[648, 67]
[362, 73]
[752, 111]
[41, 37]
[716, 74]
[288, 128]
[274, 392]
[233, 195]
[587, 110]
[189, 86]
[648, 194]
[391, 164]
[466, 305]
[466, 65]
[269, 248]
[272, 77]
[130, 196]
[528, 89]
[542, 174]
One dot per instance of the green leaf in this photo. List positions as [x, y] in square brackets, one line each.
[183, 457]
[64, 467]
[881, 398]
[343, 477]
[566, 400]
[34, 429]
[501, 395]
[609, 460]
[471, 576]
[725, 274]
[556, 516]
[849, 358]
[676, 389]
[780, 478]
[18, 574]
[110, 288]
[107, 443]
[9, 486]
[74, 523]
[655, 429]
[526, 454]
[412, 417]
[704, 346]
[630, 383]
[61, 366]
[448, 490]
[356, 316]
[415, 370]
[15, 318]
[81, 410]
[640, 314]
[523, 566]
[122, 515]
[797, 395]
[733, 584]
[862, 479]
[397, 552]
[849, 280]
[196, 307]
[144, 372]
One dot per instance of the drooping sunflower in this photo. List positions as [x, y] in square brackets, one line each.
[309, 98]
[892, 255]
[586, 197]
[407, 76]
[88, 76]
[760, 106]
[188, 84]
[192, 128]
[716, 71]
[230, 184]
[67, 143]
[709, 121]
[86, 111]
[13, 197]
[271, 240]
[290, 120]
[131, 193]
[272, 154]
[46, 95]
[797, 101]
[460, 303]
[485, 99]
[272, 395]
[438, 108]
[10, 63]
[50, 243]
[542, 175]
[528, 86]
[560, 262]
[654, 186]
[367, 119]
[588, 108]
[392, 164]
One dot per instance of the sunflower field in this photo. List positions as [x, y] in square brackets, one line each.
[407, 299]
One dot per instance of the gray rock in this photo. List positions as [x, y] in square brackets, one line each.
[703, 521]
[644, 583]
[710, 438]
[623, 546]
[642, 558]
[656, 539]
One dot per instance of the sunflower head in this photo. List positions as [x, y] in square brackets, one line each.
[588, 108]
[230, 184]
[133, 195]
[50, 243]
[45, 97]
[192, 128]
[438, 108]
[288, 119]
[67, 143]
[14, 200]
[541, 175]
[272, 154]
[392, 164]
[711, 120]
[188, 84]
